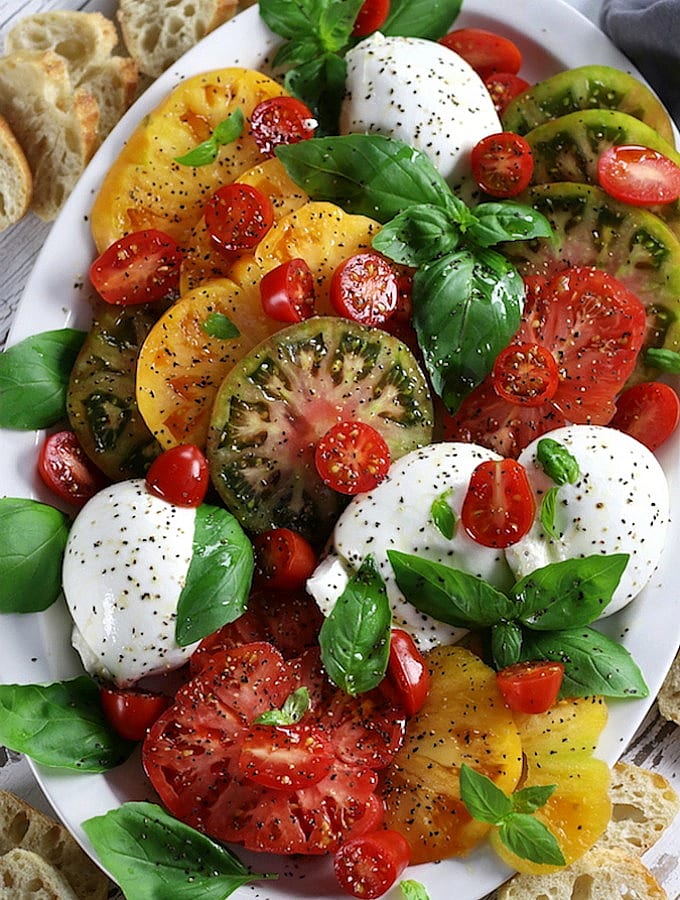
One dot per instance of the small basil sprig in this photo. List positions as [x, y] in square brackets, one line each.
[355, 637]
[664, 360]
[219, 326]
[153, 856]
[226, 132]
[560, 465]
[413, 890]
[521, 832]
[443, 516]
[293, 709]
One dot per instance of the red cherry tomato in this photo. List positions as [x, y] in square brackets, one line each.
[180, 475]
[365, 288]
[138, 268]
[285, 757]
[499, 506]
[284, 559]
[638, 175]
[67, 470]
[525, 374]
[648, 412]
[287, 292]
[370, 17]
[281, 120]
[130, 712]
[484, 51]
[238, 216]
[504, 87]
[352, 457]
[502, 164]
[408, 671]
[369, 865]
[530, 687]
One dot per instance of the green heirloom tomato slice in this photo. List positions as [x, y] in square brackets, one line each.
[284, 395]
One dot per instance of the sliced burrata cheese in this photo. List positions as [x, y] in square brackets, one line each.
[398, 515]
[422, 93]
[619, 504]
[124, 568]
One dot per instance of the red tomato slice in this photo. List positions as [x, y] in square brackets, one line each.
[648, 412]
[67, 470]
[139, 268]
[408, 672]
[484, 51]
[180, 475]
[281, 120]
[499, 507]
[131, 712]
[284, 559]
[285, 757]
[525, 374]
[365, 289]
[352, 457]
[370, 17]
[238, 216]
[530, 687]
[369, 865]
[638, 175]
[503, 88]
[502, 164]
[287, 292]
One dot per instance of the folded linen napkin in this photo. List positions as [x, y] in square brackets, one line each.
[648, 32]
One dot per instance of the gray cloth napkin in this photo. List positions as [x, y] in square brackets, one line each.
[648, 32]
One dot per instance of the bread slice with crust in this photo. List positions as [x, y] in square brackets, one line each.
[113, 83]
[26, 876]
[16, 181]
[669, 695]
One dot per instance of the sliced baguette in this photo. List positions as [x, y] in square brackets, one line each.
[669, 695]
[113, 83]
[26, 876]
[16, 181]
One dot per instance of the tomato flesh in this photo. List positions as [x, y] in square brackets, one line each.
[502, 164]
[525, 374]
[238, 216]
[132, 712]
[285, 757]
[287, 292]
[369, 865]
[499, 506]
[365, 289]
[352, 457]
[370, 17]
[284, 559]
[66, 469]
[180, 475]
[638, 175]
[531, 687]
[408, 671]
[281, 120]
[485, 51]
[648, 412]
[503, 87]
[141, 267]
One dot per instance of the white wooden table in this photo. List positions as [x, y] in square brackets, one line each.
[657, 743]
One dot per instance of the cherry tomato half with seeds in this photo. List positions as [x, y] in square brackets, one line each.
[238, 216]
[499, 506]
[139, 268]
[408, 671]
[287, 292]
[530, 687]
[370, 17]
[485, 51]
[503, 88]
[285, 757]
[284, 559]
[352, 457]
[131, 712]
[365, 289]
[281, 120]
[502, 164]
[638, 175]
[180, 475]
[67, 470]
[368, 866]
[525, 374]
[648, 412]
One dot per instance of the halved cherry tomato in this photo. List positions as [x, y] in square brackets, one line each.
[131, 712]
[180, 475]
[530, 687]
[67, 470]
[287, 292]
[365, 288]
[370, 17]
[502, 164]
[285, 756]
[369, 865]
[284, 559]
[525, 374]
[281, 120]
[238, 216]
[352, 457]
[408, 671]
[638, 175]
[138, 268]
[648, 412]
[499, 506]
[485, 51]
[504, 87]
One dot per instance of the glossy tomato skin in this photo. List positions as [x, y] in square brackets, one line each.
[408, 672]
[638, 175]
[141, 267]
[499, 506]
[502, 164]
[281, 120]
[648, 412]
[503, 88]
[284, 559]
[66, 469]
[237, 217]
[369, 865]
[370, 17]
[180, 475]
[287, 292]
[352, 457]
[485, 51]
[365, 289]
[525, 374]
[131, 712]
[530, 687]
[285, 757]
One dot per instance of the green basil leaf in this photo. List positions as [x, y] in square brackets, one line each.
[529, 799]
[290, 18]
[60, 725]
[355, 638]
[506, 644]
[443, 516]
[483, 799]
[335, 23]
[218, 325]
[593, 663]
[34, 537]
[368, 174]
[34, 377]
[570, 593]
[557, 462]
[293, 709]
[201, 155]
[229, 129]
[413, 890]
[449, 595]
[153, 856]
[547, 512]
[219, 576]
[664, 360]
[531, 839]
[418, 235]
[296, 52]
[466, 307]
[496, 222]
[320, 83]
[421, 18]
